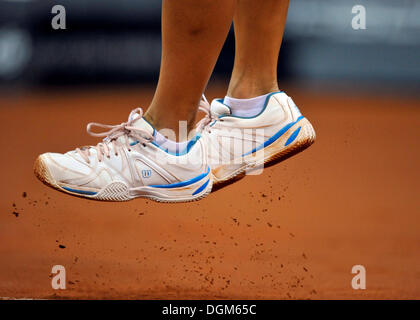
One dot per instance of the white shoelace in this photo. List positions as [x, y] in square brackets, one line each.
[126, 129]
[204, 123]
[111, 136]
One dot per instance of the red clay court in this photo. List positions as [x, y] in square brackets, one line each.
[294, 232]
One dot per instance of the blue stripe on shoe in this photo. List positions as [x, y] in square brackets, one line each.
[182, 183]
[89, 193]
[292, 137]
[201, 188]
[273, 138]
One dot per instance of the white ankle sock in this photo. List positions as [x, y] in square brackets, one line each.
[246, 107]
[169, 145]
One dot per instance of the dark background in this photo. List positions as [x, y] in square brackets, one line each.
[118, 42]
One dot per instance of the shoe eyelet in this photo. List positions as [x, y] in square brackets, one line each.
[129, 150]
[116, 154]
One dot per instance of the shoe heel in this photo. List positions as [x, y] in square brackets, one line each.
[300, 137]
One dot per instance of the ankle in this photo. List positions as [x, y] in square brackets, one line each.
[246, 90]
[173, 129]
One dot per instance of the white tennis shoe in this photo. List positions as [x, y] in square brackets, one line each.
[240, 145]
[128, 164]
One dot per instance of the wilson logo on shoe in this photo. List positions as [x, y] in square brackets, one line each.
[146, 173]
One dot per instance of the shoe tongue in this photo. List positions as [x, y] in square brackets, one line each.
[138, 123]
[141, 123]
[218, 108]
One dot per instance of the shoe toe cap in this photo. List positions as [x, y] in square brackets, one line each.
[61, 167]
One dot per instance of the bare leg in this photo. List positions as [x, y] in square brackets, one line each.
[259, 27]
[193, 33]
